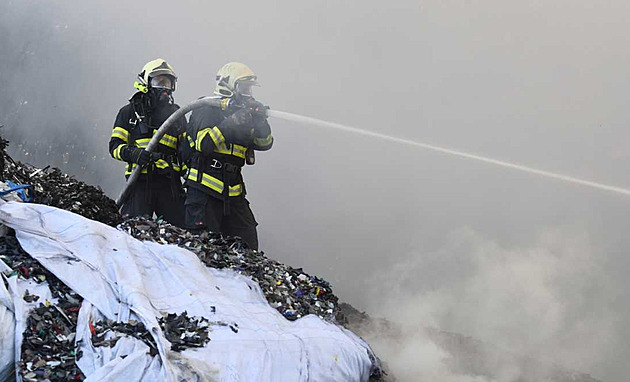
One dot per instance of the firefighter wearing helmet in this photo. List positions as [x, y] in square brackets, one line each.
[159, 188]
[222, 141]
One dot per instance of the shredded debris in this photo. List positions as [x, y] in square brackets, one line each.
[185, 332]
[48, 351]
[181, 331]
[108, 332]
[291, 291]
[54, 188]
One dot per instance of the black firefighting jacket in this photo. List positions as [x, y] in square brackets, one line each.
[216, 162]
[135, 125]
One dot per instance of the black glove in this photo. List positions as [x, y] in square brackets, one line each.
[139, 156]
[238, 127]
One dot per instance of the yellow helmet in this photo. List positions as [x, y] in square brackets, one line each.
[231, 74]
[152, 69]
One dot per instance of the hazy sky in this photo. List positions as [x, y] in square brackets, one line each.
[531, 264]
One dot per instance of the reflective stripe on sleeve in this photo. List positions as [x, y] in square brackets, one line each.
[142, 142]
[116, 152]
[263, 142]
[120, 133]
[169, 141]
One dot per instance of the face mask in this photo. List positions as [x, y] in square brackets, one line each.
[163, 82]
[244, 89]
[160, 96]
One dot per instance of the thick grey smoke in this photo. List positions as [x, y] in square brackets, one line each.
[425, 239]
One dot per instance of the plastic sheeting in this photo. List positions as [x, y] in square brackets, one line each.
[121, 278]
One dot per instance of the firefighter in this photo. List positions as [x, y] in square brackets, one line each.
[222, 141]
[159, 188]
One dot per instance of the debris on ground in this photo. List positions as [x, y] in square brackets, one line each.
[182, 331]
[48, 351]
[54, 188]
[108, 332]
[185, 332]
[291, 291]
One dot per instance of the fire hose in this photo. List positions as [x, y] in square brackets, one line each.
[205, 101]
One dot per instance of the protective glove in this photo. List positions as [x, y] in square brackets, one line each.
[139, 156]
[238, 127]
[257, 108]
[259, 118]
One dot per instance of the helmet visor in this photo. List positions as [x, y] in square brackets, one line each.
[163, 81]
[245, 88]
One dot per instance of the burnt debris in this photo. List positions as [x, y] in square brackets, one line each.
[108, 332]
[291, 291]
[185, 332]
[182, 331]
[54, 188]
[47, 352]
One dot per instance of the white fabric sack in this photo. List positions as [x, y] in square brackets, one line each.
[121, 277]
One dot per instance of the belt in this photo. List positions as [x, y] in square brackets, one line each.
[224, 166]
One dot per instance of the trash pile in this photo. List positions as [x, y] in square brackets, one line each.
[108, 332]
[181, 331]
[185, 332]
[289, 290]
[54, 188]
[48, 351]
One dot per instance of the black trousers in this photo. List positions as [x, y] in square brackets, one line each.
[161, 195]
[204, 211]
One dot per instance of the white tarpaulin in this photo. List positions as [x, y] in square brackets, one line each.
[120, 278]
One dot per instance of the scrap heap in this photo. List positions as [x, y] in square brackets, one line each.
[48, 350]
[289, 290]
[54, 188]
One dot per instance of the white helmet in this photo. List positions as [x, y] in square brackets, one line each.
[235, 78]
[152, 70]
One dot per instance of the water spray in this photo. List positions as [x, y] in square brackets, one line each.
[299, 118]
[219, 102]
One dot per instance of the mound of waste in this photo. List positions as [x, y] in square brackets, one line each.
[85, 300]
[291, 291]
[54, 188]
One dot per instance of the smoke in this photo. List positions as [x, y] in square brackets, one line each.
[546, 302]
[542, 267]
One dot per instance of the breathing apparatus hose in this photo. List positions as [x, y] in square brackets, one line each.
[205, 101]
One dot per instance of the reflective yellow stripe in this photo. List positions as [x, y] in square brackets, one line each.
[236, 150]
[239, 151]
[263, 142]
[128, 171]
[217, 137]
[116, 152]
[162, 164]
[169, 141]
[200, 136]
[214, 183]
[120, 133]
[142, 142]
